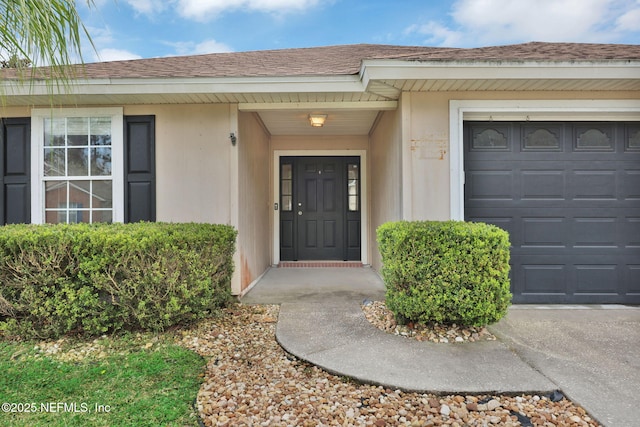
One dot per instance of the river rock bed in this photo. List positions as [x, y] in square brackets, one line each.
[381, 317]
[251, 381]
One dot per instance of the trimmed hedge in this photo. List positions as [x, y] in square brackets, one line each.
[97, 278]
[445, 272]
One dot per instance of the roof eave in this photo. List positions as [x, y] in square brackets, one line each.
[380, 70]
[184, 85]
[378, 80]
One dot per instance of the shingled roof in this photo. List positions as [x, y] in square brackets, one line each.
[345, 59]
[329, 60]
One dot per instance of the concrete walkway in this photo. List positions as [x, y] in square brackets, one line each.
[592, 353]
[538, 351]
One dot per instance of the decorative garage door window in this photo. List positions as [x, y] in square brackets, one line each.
[543, 139]
[594, 139]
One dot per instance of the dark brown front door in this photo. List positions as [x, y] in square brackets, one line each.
[320, 208]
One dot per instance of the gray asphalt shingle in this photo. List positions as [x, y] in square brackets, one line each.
[343, 59]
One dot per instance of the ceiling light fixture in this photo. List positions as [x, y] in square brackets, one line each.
[317, 120]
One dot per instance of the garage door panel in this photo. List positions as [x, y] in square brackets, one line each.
[544, 232]
[595, 232]
[491, 185]
[544, 279]
[596, 278]
[557, 181]
[584, 278]
[575, 299]
[632, 277]
[552, 227]
[630, 185]
[569, 196]
[543, 184]
[630, 232]
[593, 184]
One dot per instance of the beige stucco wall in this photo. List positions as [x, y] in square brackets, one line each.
[254, 238]
[426, 161]
[15, 112]
[337, 142]
[386, 177]
[193, 162]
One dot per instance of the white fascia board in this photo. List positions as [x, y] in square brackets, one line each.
[325, 106]
[548, 110]
[492, 70]
[295, 84]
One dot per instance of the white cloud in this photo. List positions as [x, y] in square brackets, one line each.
[101, 36]
[630, 21]
[147, 7]
[102, 39]
[203, 10]
[116, 55]
[485, 22]
[207, 46]
[436, 34]
[211, 46]
[544, 20]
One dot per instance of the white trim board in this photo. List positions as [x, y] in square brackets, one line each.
[519, 110]
[364, 201]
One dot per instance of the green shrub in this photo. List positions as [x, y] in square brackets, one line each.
[91, 279]
[445, 272]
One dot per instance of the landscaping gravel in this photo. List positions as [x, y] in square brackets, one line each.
[251, 381]
[381, 317]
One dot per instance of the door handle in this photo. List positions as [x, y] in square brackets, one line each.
[299, 212]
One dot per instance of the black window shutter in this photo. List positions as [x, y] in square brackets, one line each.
[139, 168]
[15, 161]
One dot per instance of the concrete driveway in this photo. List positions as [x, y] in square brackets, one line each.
[592, 353]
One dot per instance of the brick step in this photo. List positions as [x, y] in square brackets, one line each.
[320, 264]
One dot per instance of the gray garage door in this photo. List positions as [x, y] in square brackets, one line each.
[569, 195]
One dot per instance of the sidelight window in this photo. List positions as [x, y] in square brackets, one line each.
[286, 187]
[353, 182]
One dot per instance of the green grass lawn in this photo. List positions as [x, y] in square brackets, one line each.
[134, 380]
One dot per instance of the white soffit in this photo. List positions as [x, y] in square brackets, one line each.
[498, 75]
[338, 122]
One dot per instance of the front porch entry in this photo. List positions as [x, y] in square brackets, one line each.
[319, 208]
[317, 285]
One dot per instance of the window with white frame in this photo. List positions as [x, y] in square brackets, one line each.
[77, 166]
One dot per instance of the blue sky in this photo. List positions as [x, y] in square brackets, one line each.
[131, 29]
